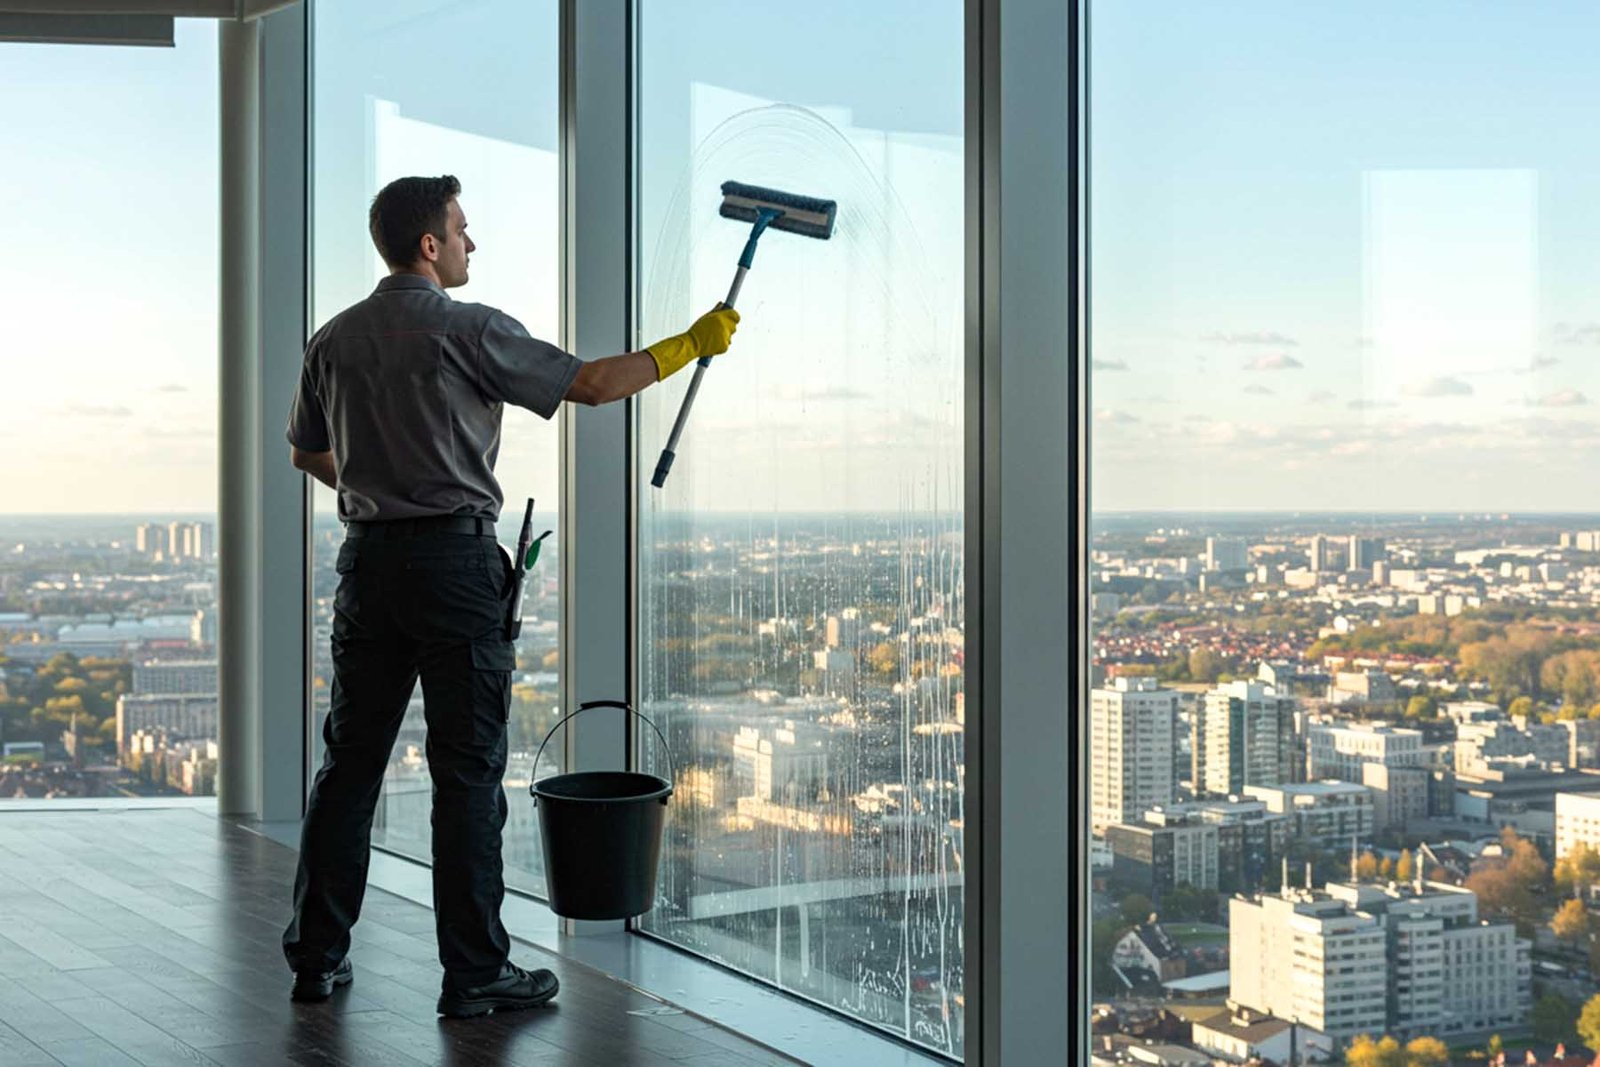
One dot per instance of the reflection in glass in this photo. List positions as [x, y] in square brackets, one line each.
[801, 589]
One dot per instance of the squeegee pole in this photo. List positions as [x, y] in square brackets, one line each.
[670, 452]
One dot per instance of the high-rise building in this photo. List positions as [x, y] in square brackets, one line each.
[1364, 552]
[150, 539]
[1308, 958]
[1227, 554]
[1321, 553]
[1355, 958]
[1244, 735]
[1132, 749]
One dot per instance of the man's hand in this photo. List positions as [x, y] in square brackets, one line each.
[317, 464]
[710, 335]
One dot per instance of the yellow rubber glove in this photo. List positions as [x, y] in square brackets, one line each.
[709, 336]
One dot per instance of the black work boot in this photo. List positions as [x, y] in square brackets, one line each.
[318, 985]
[513, 990]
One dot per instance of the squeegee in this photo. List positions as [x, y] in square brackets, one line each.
[763, 209]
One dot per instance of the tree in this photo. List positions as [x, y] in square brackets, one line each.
[1571, 922]
[1552, 1018]
[1365, 1052]
[1427, 1052]
[1422, 707]
[1204, 665]
[1406, 869]
[1496, 1046]
[1366, 867]
[1136, 908]
[885, 657]
[1386, 869]
[1577, 870]
[1521, 706]
[1589, 1022]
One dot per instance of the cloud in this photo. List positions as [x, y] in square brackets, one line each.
[1540, 362]
[196, 433]
[1259, 390]
[1275, 361]
[1108, 364]
[1437, 387]
[1578, 333]
[1106, 415]
[99, 411]
[1365, 404]
[172, 387]
[1320, 396]
[802, 394]
[1252, 337]
[1561, 398]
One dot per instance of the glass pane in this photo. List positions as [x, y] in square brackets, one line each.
[491, 120]
[108, 576]
[801, 573]
[1346, 632]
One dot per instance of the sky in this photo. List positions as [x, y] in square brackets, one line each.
[1343, 257]
[109, 291]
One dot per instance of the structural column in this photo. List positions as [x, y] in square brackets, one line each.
[284, 519]
[597, 490]
[238, 426]
[1026, 844]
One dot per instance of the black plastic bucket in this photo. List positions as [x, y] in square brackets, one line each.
[602, 833]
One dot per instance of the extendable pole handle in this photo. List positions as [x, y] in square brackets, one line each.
[670, 452]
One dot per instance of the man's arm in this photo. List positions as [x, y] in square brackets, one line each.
[603, 380]
[615, 377]
[317, 464]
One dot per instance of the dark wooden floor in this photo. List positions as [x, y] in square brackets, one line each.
[151, 937]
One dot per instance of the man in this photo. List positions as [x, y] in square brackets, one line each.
[399, 410]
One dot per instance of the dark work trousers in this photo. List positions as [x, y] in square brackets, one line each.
[413, 602]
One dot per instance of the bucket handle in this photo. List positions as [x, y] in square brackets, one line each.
[672, 771]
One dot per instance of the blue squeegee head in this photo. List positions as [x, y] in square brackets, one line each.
[805, 215]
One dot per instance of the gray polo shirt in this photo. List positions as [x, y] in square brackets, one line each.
[406, 389]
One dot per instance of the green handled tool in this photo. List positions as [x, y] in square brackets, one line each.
[527, 555]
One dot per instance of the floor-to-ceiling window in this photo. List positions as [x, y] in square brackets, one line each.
[469, 89]
[108, 662]
[1346, 628]
[800, 575]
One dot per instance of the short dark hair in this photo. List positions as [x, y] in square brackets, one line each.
[407, 208]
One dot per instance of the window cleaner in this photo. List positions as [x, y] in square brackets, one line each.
[805, 215]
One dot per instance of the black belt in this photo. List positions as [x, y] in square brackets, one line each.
[422, 526]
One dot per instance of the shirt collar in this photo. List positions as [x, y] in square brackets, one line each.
[407, 281]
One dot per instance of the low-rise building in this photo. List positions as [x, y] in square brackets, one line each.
[1160, 852]
[1330, 814]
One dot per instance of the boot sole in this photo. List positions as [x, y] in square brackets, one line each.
[479, 1006]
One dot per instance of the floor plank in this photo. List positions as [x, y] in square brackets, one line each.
[152, 938]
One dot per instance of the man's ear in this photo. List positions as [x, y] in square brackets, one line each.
[430, 247]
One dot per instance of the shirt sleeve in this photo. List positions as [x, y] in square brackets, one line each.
[308, 424]
[520, 369]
